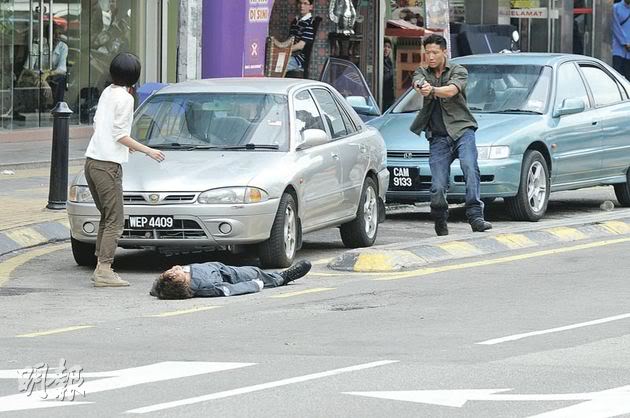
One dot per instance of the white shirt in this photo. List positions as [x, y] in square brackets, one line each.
[112, 122]
[59, 58]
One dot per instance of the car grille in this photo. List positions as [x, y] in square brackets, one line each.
[182, 229]
[144, 198]
[408, 154]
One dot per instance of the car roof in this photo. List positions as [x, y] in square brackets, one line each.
[520, 58]
[240, 85]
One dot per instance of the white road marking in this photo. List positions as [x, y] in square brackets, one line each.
[603, 404]
[255, 388]
[558, 329]
[121, 379]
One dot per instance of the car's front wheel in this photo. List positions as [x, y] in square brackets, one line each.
[622, 191]
[83, 253]
[530, 203]
[279, 250]
[361, 232]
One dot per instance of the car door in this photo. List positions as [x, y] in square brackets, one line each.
[319, 167]
[613, 109]
[353, 152]
[348, 80]
[574, 139]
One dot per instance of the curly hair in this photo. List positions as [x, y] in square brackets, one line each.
[167, 288]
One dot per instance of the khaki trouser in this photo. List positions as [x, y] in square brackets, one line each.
[104, 179]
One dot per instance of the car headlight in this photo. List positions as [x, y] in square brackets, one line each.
[493, 153]
[80, 194]
[231, 195]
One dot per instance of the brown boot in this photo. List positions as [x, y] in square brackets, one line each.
[104, 276]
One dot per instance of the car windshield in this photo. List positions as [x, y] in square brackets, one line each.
[497, 89]
[214, 121]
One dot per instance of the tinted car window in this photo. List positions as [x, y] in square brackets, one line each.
[570, 85]
[306, 114]
[332, 114]
[604, 89]
[213, 120]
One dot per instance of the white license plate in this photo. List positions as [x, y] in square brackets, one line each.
[151, 222]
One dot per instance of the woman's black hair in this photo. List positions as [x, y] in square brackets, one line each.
[125, 69]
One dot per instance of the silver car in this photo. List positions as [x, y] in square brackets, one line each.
[249, 162]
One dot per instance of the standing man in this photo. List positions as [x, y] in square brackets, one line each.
[303, 34]
[450, 129]
[58, 74]
[388, 75]
[621, 37]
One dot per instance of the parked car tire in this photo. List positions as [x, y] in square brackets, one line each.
[622, 191]
[361, 232]
[530, 203]
[83, 253]
[279, 250]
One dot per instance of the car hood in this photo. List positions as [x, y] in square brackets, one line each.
[196, 170]
[492, 129]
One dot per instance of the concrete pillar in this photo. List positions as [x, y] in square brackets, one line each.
[602, 24]
[566, 26]
[189, 40]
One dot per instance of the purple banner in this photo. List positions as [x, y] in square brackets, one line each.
[257, 14]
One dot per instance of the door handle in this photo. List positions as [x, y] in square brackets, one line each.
[594, 123]
[334, 156]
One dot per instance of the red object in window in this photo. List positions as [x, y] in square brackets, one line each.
[583, 11]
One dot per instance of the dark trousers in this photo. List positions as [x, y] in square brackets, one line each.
[104, 178]
[444, 151]
[622, 65]
[58, 86]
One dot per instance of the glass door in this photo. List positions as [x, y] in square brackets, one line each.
[39, 61]
[7, 34]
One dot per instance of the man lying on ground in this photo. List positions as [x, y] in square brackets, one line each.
[217, 279]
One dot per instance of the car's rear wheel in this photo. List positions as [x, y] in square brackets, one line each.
[279, 250]
[361, 232]
[83, 253]
[622, 191]
[530, 203]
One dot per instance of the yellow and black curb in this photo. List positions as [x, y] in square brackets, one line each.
[30, 236]
[418, 255]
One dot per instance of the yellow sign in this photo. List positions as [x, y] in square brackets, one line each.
[525, 4]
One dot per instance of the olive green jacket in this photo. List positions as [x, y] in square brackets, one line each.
[455, 112]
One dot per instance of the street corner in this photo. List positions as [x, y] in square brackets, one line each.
[16, 239]
[376, 261]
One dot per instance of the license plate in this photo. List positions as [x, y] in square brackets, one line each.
[404, 178]
[150, 222]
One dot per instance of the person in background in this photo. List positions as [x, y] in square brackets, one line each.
[303, 33]
[621, 37]
[57, 78]
[388, 74]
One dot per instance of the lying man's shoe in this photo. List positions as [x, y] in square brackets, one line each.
[480, 225]
[296, 271]
[441, 228]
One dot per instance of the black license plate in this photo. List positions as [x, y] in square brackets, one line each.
[404, 178]
[151, 222]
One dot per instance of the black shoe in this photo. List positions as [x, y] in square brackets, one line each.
[296, 271]
[441, 228]
[480, 225]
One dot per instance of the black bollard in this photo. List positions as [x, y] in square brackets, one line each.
[58, 191]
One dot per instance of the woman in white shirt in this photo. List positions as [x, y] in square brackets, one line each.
[108, 149]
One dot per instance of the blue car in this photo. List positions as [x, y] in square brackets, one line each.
[547, 122]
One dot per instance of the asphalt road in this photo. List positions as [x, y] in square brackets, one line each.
[532, 336]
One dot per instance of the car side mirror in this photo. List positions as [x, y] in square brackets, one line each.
[361, 106]
[312, 138]
[569, 107]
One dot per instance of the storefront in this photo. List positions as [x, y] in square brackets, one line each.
[93, 32]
